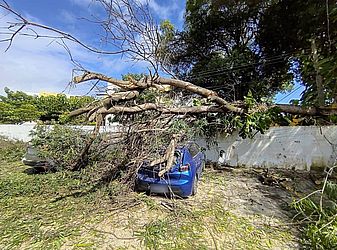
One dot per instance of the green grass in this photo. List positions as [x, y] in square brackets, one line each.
[44, 211]
[11, 151]
[60, 210]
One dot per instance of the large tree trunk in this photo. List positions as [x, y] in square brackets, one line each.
[306, 111]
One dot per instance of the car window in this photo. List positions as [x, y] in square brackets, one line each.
[177, 158]
[194, 149]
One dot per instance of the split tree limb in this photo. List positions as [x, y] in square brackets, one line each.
[160, 81]
[290, 109]
[119, 96]
[80, 111]
[88, 76]
[169, 156]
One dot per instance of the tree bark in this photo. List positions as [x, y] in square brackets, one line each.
[306, 111]
[88, 76]
[158, 83]
[119, 96]
[319, 78]
[212, 95]
[162, 109]
[169, 156]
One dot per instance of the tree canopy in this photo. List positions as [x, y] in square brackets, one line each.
[257, 46]
[306, 30]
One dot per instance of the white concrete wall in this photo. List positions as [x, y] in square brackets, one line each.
[22, 131]
[300, 148]
[16, 132]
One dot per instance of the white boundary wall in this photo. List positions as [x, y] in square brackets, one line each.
[300, 148]
[22, 132]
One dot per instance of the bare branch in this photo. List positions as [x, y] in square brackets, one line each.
[306, 111]
[162, 109]
[88, 76]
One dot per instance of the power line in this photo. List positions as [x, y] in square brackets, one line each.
[226, 70]
[278, 58]
[292, 92]
[239, 67]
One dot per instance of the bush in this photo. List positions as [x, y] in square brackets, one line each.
[59, 143]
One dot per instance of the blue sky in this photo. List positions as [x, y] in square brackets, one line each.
[37, 65]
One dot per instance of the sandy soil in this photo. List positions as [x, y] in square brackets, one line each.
[239, 191]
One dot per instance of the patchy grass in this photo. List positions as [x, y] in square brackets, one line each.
[210, 228]
[44, 211]
[10, 150]
[59, 211]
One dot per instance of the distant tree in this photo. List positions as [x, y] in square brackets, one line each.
[17, 106]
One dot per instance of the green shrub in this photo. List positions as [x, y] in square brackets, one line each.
[320, 231]
[61, 144]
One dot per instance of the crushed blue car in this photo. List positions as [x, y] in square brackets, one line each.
[181, 180]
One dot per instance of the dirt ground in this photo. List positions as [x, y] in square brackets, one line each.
[232, 210]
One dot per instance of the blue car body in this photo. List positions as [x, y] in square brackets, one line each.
[181, 179]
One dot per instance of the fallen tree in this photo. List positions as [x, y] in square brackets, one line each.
[166, 118]
[219, 105]
[126, 103]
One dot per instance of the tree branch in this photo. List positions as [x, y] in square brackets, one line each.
[306, 111]
[162, 109]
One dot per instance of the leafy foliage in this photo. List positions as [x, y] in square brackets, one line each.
[257, 118]
[321, 230]
[218, 49]
[59, 143]
[291, 27]
[133, 76]
[18, 106]
[259, 46]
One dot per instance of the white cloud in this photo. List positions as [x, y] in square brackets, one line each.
[37, 65]
[68, 17]
[161, 11]
[33, 65]
[164, 12]
[83, 3]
